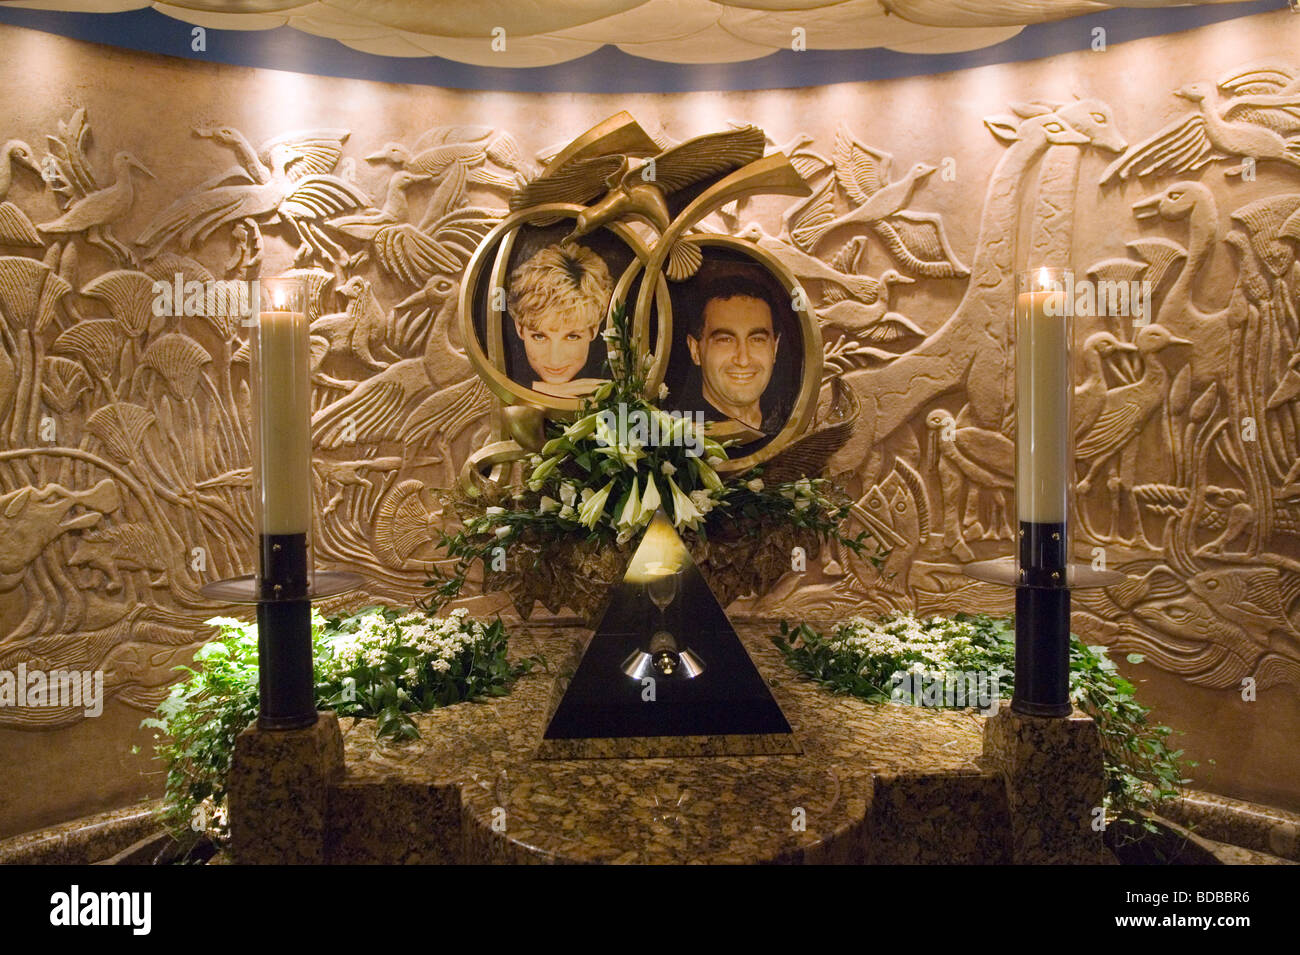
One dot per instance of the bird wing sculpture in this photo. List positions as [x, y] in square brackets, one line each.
[577, 181]
[859, 169]
[441, 135]
[313, 199]
[1182, 146]
[699, 158]
[1257, 80]
[415, 255]
[809, 220]
[315, 151]
[807, 163]
[809, 454]
[1114, 426]
[918, 241]
[374, 409]
[69, 172]
[447, 412]
[1266, 96]
[1265, 221]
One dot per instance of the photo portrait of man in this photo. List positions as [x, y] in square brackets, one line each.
[733, 321]
[557, 300]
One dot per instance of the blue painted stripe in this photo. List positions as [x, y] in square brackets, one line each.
[609, 70]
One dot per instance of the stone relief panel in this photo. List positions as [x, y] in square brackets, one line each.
[124, 458]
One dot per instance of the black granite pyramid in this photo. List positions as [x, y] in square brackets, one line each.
[724, 708]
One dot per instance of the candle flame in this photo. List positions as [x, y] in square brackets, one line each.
[1044, 278]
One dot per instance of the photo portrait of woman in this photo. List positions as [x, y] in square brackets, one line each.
[557, 300]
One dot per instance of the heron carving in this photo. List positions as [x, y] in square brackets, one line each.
[289, 182]
[88, 208]
[15, 227]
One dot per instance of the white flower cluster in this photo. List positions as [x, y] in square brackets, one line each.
[920, 645]
[439, 640]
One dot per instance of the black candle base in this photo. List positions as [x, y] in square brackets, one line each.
[283, 566]
[286, 680]
[1042, 623]
[1044, 556]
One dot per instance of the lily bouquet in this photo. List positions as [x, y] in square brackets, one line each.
[570, 523]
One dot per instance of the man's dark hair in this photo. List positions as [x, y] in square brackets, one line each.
[733, 281]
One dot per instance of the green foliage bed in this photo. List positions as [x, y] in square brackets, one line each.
[861, 655]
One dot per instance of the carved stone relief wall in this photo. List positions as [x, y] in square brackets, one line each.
[124, 460]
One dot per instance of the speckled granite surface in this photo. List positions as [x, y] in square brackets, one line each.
[279, 792]
[1247, 826]
[82, 841]
[1055, 785]
[813, 807]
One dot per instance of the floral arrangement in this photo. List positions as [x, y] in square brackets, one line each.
[380, 662]
[861, 655]
[597, 482]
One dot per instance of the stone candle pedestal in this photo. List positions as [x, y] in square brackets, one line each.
[1052, 768]
[279, 791]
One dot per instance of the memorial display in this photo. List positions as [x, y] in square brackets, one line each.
[675, 432]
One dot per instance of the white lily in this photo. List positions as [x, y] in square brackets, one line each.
[650, 500]
[685, 513]
[594, 506]
[708, 477]
[631, 508]
[548, 504]
[543, 471]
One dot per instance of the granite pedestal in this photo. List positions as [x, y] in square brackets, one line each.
[871, 784]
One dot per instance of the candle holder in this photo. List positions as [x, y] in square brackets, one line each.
[1041, 569]
[286, 579]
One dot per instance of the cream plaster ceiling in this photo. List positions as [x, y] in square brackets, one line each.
[546, 32]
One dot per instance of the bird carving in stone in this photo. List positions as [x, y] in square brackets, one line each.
[1203, 137]
[1267, 96]
[359, 332]
[915, 239]
[299, 189]
[368, 224]
[15, 227]
[452, 157]
[1090, 394]
[88, 208]
[975, 457]
[1127, 409]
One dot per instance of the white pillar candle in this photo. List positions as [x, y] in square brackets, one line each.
[1044, 449]
[283, 415]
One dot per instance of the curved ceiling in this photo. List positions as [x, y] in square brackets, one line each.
[540, 33]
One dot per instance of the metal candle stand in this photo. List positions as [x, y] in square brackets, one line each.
[1042, 617]
[286, 583]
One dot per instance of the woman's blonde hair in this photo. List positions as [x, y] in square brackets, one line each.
[564, 281]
